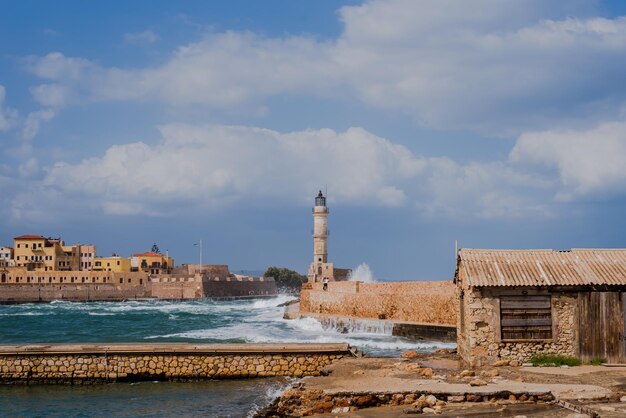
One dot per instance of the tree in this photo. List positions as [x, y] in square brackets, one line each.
[285, 277]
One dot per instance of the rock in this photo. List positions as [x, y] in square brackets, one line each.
[410, 398]
[428, 410]
[427, 372]
[456, 398]
[339, 410]
[440, 403]
[409, 354]
[490, 373]
[527, 365]
[500, 363]
[520, 416]
[466, 373]
[622, 399]
[607, 408]
[364, 400]
[431, 400]
[514, 363]
[412, 411]
[477, 382]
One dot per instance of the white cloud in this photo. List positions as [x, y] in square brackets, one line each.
[227, 165]
[8, 116]
[489, 65]
[51, 95]
[33, 123]
[145, 37]
[588, 162]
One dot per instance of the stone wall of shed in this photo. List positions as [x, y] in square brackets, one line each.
[479, 342]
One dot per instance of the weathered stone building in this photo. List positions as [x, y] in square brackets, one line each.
[514, 304]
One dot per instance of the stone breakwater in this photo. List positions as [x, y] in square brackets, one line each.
[88, 364]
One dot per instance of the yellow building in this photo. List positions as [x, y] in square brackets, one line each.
[152, 263]
[114, 264]
[37, 253]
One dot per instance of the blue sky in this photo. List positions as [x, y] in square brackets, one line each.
[499, 124]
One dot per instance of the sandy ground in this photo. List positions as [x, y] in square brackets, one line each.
[596, 387]
[392, 375]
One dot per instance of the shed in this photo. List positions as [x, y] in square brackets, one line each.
[513, 304]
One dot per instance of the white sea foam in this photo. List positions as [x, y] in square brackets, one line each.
[361, 273]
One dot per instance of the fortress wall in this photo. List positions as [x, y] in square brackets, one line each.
[149, 363]
[238, 288]
[421, 302]
[23, 293]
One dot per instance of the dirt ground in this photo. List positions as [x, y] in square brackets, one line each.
[598, 388]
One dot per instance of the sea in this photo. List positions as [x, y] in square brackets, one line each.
[150, 321]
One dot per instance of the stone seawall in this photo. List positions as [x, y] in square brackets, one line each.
[413, 331]
[33, 293]
[89, 363]
[416, 302]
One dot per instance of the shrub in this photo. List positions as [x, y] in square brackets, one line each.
[554, 360]
[597, 361]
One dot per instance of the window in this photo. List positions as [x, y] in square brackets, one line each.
[525, 318]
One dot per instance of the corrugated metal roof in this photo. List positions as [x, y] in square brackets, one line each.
[543, 267]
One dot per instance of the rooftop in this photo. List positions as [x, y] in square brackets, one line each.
[575, 267]
[148, 254]
[30, 237]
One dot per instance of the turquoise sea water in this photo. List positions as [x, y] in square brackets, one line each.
[159, 321]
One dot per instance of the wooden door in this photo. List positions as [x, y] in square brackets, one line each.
[601, 326]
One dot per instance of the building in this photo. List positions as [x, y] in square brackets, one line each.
[320, 268]
[115, 263]
[514, 304]
[151, 262]
[87, 256]
[6, 257]
[37, 253]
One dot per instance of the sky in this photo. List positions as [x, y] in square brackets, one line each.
[491, 123]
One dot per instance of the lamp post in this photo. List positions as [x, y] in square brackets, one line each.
[199, 244]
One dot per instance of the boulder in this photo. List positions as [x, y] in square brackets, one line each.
[500, 363]
[427, 372]
[466, 373]
[431, 400]
[490, 373]
[414, 410]
[409, 354]
[477, 382]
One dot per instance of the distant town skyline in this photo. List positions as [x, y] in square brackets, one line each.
[500, 124]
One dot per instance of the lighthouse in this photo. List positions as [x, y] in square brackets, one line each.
[320, 267]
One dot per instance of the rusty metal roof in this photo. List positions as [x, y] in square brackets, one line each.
[543, 267]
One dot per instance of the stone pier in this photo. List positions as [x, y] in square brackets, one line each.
[101, 363]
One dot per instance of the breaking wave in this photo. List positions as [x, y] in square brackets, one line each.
[254, 321]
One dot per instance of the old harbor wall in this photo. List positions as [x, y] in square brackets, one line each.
[414, 302]
[94, 363]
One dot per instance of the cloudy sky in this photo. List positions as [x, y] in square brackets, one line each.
[500, 124]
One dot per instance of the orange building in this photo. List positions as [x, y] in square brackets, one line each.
[151, 262]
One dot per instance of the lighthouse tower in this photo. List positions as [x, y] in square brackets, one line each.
[320, 267]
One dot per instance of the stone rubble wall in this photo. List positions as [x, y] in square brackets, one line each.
[99, 368]
[478, 329]
[304, 402]
[420, 302]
